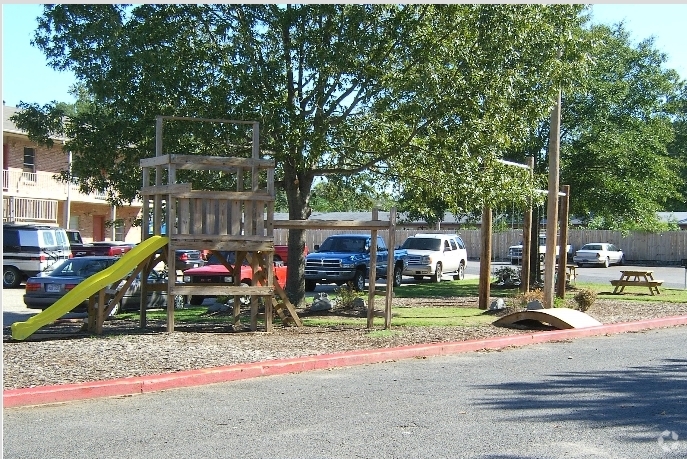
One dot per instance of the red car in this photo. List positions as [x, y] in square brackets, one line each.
[214, 272]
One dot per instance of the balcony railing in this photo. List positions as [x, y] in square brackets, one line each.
[16, 182]
[16, 209]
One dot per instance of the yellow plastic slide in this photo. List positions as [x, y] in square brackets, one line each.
[89, 287]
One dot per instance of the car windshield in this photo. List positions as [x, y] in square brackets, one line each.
[340, 244]
[80, 267]
[230, 257]
[592, 247]
[422, 243]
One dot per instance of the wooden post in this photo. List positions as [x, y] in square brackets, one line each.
[552, 207]
[527, 239]
[373, 272]
[563, 252]
[390, 269]
[485, 260]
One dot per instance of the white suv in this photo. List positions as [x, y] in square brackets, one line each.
[432, 255]
[30, 249]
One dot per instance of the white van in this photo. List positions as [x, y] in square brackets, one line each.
[28, 249]
[435, 254]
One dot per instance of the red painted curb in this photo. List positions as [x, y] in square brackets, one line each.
[142, 384]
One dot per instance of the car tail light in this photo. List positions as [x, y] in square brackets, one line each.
[183, 257]
[68, 287]
[32, 287]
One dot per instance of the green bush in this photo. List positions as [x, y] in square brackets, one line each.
[346, 296]
[530, 295]
[584, 299]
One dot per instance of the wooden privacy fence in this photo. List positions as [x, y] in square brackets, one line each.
[669, 247]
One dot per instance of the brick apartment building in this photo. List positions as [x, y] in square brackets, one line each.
[31, 194]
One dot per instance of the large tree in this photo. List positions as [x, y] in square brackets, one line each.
[616, 129]
[428, 91]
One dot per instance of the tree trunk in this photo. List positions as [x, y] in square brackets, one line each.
[297, 186]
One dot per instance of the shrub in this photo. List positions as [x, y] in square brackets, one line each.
[507, 274]
[584, 299]
[532, 295]
[346, 296]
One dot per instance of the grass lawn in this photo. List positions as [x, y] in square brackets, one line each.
[426, 316]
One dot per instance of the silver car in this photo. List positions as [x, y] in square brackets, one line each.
[44, 290]
[599, 253]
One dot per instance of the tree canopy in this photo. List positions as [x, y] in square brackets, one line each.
[425, 95]
[616, 130]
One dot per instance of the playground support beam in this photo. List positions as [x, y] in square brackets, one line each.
[527, 238]
[485, 260]
[563, 255]
[552, 204]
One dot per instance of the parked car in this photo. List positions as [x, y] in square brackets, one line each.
[99, 248]
[186, 259]
[435, 254]
[345, 258]
[216, 273]
[104, 249]
[44, 290]
[599, 253]
[31, 249]
[515, 251]
[281, 253]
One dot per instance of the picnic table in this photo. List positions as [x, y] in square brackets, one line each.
[637, 278]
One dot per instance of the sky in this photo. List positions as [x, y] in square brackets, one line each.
[27, 77]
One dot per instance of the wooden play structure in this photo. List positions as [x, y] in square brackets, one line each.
[241, 221]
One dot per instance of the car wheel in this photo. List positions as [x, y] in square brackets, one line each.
[196, 299]
[460, 275]
[622, 260]
[11, 277]
[437, 273]
[359, 281]
[179, 301]
[310, 285]
[398, 276]
[607, 263]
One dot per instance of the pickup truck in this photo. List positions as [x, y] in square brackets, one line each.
[345, 258]
[281, 253]
[215, 273]
[515, 251]
[101, 248]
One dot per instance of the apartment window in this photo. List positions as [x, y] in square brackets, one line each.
[29, 159]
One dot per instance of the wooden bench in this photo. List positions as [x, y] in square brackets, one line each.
[620, 285]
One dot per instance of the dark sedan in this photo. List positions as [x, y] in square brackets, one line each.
[44, 290]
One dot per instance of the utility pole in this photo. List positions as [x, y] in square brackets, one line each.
[552, 207]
